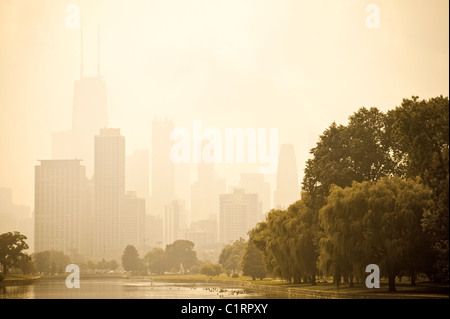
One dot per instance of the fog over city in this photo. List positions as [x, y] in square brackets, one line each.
[242, 139]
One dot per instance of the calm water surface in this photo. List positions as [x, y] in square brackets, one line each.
[131, 289]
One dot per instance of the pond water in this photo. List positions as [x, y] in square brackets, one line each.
[132, 289]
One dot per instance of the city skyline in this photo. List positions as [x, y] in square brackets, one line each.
[208, 149]
[189, 72]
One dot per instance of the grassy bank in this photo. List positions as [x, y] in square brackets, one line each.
[19, 279]
[322, 289]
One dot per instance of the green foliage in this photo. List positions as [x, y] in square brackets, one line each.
[375, 222]
[289, 242]
[421, 133]
[156, 261]
[12, 246]
[360, 151]
[374, 191]
[103, 265]
[130, 259]
[231, 256]
[252, 262]
[51, 261]
[212, 270]
[181, 255]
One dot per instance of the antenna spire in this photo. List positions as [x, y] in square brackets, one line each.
[81, 51]
[99, 73]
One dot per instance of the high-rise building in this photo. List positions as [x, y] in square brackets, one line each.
[89, 114]
[254, 183]
[202, 233]
[154, 232]
[174, 221]
[205, 193]
[109, 192]
[163, 172]
[137, 173]
[288, 190]
[132, 224]
[61, 206]
[14, 217]
[238, 214]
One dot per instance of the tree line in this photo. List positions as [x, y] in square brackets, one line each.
[374, 191]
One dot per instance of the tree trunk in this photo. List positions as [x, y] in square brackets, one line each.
[351, 281]
[413, 279]
[391, 280]
[313, 278]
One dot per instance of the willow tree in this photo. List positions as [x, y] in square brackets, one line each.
[392, 225]
[302, 237]
[342, 251]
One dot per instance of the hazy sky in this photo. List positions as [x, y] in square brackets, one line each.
[290, 64]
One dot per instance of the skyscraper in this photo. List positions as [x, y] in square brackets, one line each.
[132, 224]
[205, 193]
[14, 217]
[174, 221]
[137, 173]
[89, 114]
[61, 206]
[288, 190]
[163, 172]
[254, 183]
[238, 214]
[109, 180]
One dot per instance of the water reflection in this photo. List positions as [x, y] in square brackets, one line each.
[130, 289]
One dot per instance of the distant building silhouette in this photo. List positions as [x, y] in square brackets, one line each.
[137, 173]
[288, 190]
[174, 221]
[61, 206]
[163, 171]
[154, 232]
[202, 233]
[238, 214]
[254, 183]
[132, 224]
[88, 116]
[205, 193]
[14, 217]
[109, 180]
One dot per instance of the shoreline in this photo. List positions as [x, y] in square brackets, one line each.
[298, 292]
[283, 291]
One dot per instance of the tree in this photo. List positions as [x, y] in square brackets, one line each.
[395, 238]
[181, 253]
[156, 261]
[252, 262]
[375, 222]
[51, 261]
[260, 236]
[27, 266]
[360, 151]
[420, 131]
[130, 259]
[342, 251]
[12, 246]
[231, 256]
[212, 270]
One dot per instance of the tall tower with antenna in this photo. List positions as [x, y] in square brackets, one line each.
[89, 115]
